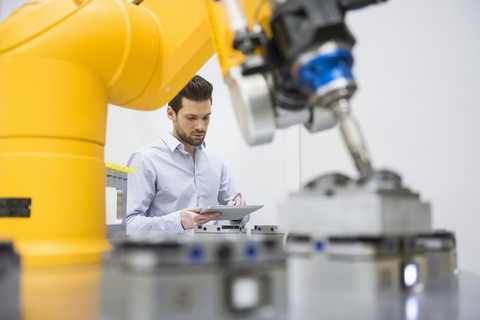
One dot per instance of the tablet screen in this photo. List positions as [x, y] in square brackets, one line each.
[232, 212]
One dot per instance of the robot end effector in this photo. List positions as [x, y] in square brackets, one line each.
[302, 76]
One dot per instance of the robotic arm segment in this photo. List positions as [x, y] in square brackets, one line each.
[188, 46]
[122, 51]
[126, 50]
[307, 65]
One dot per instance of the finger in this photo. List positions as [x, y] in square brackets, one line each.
[208, 216]
[214, 216]
[230, 203]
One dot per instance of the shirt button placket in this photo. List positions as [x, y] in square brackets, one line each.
[194, 173]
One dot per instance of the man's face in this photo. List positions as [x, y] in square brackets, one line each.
[191, 123]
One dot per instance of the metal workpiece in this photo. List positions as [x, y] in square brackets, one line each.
[381, 180]
[328, 183]
[219, 277]
[9, 282]
[334, 203]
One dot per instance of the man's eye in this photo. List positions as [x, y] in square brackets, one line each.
[206, 118]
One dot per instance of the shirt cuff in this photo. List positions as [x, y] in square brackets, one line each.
[177, 222]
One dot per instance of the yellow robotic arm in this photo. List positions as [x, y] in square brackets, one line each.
[61, 63]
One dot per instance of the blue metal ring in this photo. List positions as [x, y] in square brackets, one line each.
[326, 67]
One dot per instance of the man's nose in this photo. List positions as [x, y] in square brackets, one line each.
[200, 125]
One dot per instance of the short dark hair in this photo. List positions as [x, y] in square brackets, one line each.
[197, 89]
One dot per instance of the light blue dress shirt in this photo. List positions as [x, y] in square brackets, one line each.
[167, 180]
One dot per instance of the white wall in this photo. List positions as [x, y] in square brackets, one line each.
[417, 70]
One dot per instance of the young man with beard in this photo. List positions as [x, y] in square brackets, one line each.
[177, 175]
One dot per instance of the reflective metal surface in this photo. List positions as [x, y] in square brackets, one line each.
[253, 109]
[220, 277]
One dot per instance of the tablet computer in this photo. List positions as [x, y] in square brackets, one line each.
[232, 212]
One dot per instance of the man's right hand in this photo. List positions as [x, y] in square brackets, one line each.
[190, 217]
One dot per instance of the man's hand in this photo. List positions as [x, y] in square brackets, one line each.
[238, 202]
[190, 217]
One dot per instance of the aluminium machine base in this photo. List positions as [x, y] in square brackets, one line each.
[366, 250]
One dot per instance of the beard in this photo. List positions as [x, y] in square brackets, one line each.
[188, 139]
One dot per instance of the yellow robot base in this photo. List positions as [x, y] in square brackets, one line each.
[51, 152]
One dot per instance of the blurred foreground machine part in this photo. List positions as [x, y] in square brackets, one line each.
[217, 278]
[369, 243]
[9, 282]
[266, 230]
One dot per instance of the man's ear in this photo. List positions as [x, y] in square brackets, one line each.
[170, 113]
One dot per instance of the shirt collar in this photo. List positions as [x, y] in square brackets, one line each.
[172, 143]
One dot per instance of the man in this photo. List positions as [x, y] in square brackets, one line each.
[177, 175]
